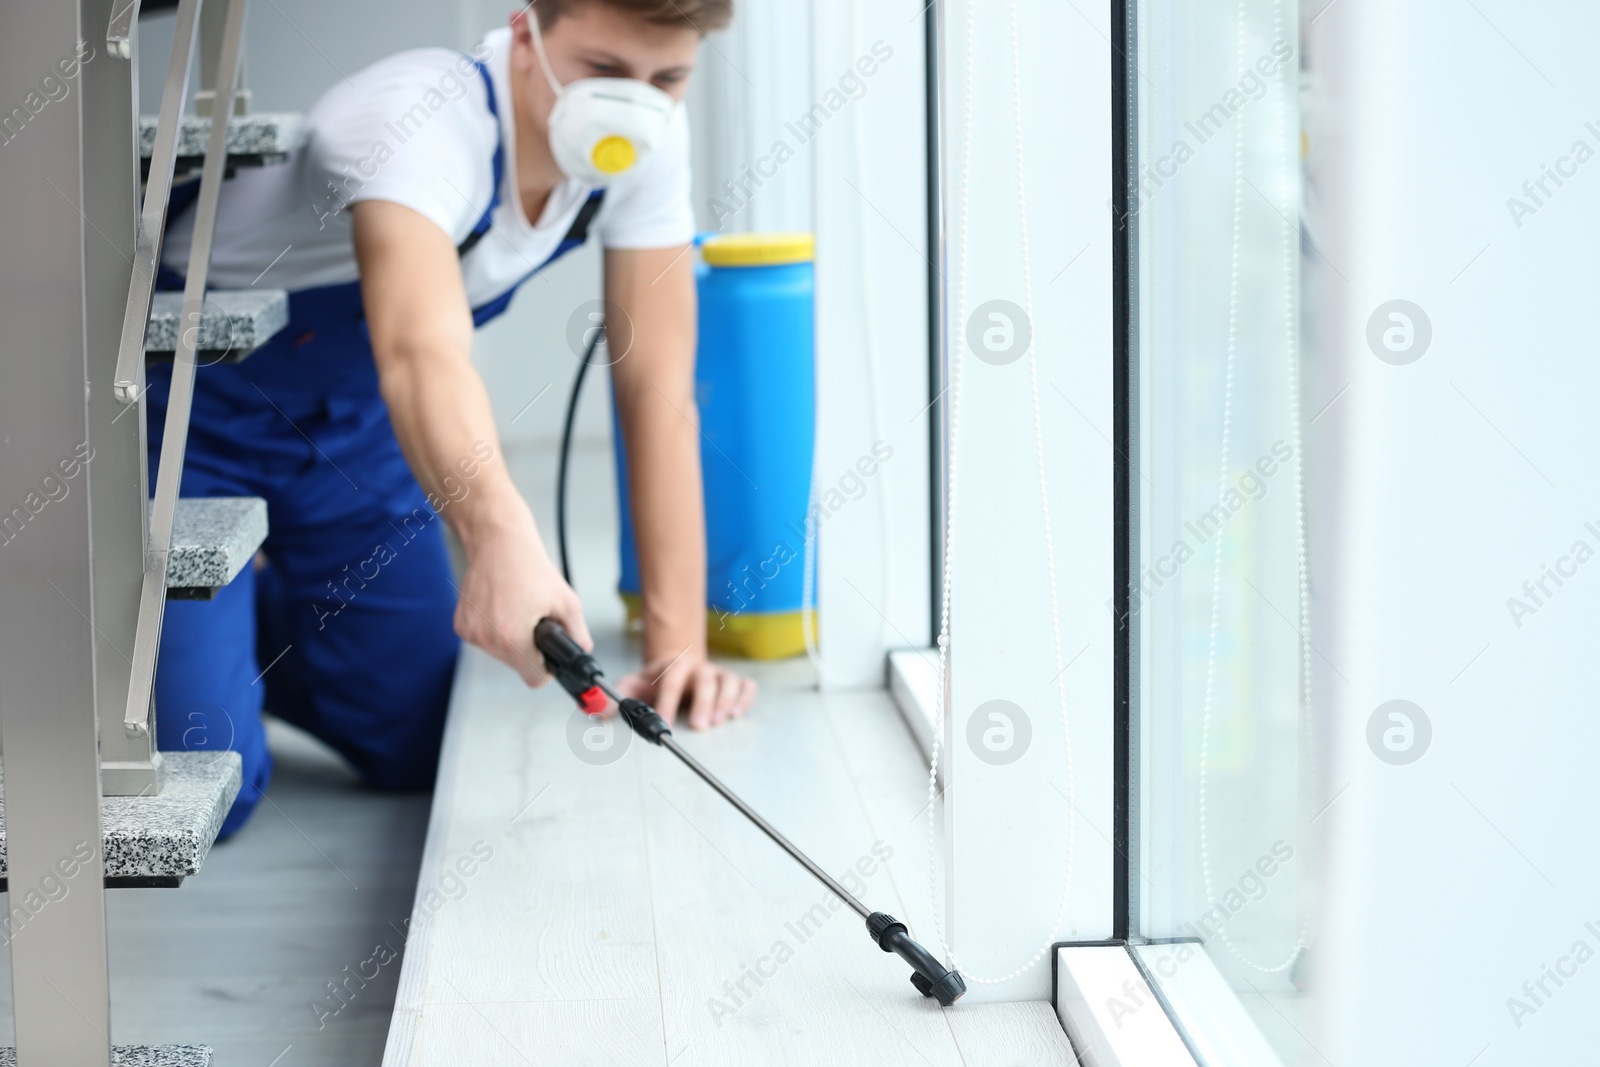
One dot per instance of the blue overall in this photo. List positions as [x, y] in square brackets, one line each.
[347, 630]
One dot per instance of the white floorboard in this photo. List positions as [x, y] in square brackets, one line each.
[625, 905]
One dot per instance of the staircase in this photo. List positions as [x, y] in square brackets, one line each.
[88, 555]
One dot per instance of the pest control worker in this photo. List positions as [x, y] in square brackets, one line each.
[429, 187]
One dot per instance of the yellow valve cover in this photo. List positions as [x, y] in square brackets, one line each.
[614, 154]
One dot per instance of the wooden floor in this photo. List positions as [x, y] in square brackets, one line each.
[622, 913]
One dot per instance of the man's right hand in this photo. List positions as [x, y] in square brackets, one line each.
[421, 326]
[510, 584]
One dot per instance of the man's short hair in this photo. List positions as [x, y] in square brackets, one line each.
[702, 16]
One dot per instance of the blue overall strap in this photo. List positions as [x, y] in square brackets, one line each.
[578, 232]
[576, 235]
[483, 224]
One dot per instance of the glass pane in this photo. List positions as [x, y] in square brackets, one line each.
[1221, 614]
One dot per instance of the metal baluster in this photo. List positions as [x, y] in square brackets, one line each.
[129, 382]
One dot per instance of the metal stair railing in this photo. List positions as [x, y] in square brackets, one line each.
[76, 551]
[130, 766]
[152, 595]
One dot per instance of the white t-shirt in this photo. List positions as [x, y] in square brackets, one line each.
[414, 130]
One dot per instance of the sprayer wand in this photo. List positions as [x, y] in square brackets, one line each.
[580, 675]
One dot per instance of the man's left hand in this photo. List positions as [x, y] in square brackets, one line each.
[711, 694]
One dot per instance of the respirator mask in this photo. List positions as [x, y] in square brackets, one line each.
[601, 128]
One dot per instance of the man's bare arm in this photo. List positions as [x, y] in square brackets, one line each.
[421, 326]
[652, 293]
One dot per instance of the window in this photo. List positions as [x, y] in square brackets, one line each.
[1223, 655]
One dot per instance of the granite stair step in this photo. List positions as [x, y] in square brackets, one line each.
[255, 140]
[233, 323]
[141, 1056]
[156, 841]
[213, 539]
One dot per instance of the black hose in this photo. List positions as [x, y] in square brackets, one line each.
[566, 449]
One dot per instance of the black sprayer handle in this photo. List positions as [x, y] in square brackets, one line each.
[579, 674]
[576, 670]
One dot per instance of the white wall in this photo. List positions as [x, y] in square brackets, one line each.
[1007, 823]
[1454, 879]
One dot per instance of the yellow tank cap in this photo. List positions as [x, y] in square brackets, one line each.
[758, 249]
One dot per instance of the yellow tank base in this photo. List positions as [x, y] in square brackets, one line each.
[749, 635]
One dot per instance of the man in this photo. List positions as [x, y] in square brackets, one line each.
[429, 187]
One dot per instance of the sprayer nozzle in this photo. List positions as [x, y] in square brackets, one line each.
[928, 975]
[946, 990]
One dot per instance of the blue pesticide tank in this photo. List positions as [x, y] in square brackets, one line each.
[754, 381]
